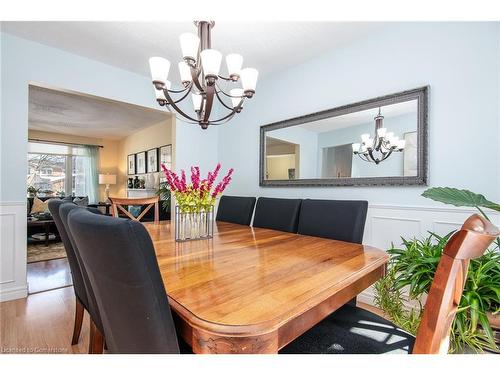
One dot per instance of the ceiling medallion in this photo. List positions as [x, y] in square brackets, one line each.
[380, 147]
[199, 74]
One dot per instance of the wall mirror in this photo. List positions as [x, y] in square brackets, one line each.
[381, 141]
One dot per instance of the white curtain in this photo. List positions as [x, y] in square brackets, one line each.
[91, 165]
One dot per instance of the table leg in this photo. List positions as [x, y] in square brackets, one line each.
[46, 234]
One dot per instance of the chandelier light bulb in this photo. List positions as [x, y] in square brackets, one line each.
[394, 141]
[234, 63]
[236, 96]
[160, 95]
[381, 132]
[197, 99]
[355, 147]
[249, 80]
[189, 46]
[365, 137]
[185, 72]
[401, 144]
[211, 60]
[159, 71]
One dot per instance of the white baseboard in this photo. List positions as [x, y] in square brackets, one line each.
[14, 293]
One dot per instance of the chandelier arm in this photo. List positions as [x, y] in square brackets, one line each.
[227, 117]
[176, 107]
[224, 119]
[228, 95]
[184, 89]
[179, 118]
[370, 152]
[222, 102]
[387, 155]
[195, 72]
[210, 92]
[182, 98]
[226, 78]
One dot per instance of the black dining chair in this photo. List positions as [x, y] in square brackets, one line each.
[121, 263]
[236, 210]
[96, 337]
[277, 213]
[333, 219]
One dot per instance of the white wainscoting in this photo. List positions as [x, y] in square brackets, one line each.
[13, 283]
[386, 224]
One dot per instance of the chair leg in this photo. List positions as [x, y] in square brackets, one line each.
[96, 341]
[79, 309]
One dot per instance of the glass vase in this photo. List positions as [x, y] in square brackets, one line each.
[195, 225]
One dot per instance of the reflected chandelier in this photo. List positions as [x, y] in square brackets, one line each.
[199, 73]
[379, 148]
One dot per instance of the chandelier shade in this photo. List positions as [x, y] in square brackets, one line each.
[210, 61]
[234, 63]
[184, 72]
[159, 70]
[200, 76]
[189, 46]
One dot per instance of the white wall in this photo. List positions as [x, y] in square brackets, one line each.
[25, 62]
[458, 60]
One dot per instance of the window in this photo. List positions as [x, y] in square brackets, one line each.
[47, 173]
[55, 169]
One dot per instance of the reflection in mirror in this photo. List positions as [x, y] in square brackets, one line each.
[376, 142]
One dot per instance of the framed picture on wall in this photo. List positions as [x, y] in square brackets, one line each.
[131, 164]
[140, 162]
[166, 156]
[152, 160]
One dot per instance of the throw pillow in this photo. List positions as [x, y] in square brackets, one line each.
[39, 206]
[81, 201]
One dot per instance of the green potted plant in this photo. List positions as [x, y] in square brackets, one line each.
[411, 271]
[31, 190]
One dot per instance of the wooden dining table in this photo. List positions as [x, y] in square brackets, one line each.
[254, 290]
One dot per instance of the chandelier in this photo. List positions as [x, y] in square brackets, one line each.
[199, 75]
[381, 146]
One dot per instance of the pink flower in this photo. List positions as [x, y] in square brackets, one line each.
[195, 177]
[221, 186]
[198, 189]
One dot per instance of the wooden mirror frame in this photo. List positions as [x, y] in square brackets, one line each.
[420, 94]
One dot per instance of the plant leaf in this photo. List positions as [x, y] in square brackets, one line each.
[459, 198]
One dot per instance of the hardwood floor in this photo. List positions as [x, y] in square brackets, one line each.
[43, 323]
[47, 275]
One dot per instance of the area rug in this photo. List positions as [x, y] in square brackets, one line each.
[40, 252]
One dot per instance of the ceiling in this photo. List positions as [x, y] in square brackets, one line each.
[266, 46]
[85, 115]
[361, 117]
